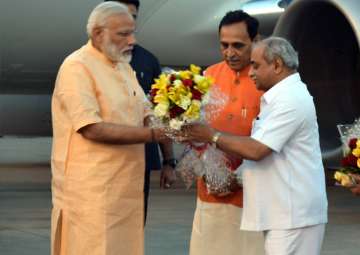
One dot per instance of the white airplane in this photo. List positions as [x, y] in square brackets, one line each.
[36, 35]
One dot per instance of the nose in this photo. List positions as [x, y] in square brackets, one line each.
[251, 73]
[230, 52]
[131, 40]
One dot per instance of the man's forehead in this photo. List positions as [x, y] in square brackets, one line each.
[236, 30]
[120, 20]
[258, 50]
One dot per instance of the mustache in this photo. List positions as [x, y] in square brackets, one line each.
[232, 59]
[127, 49]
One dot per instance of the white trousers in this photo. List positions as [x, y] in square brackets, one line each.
[300, 241]
[216, 231]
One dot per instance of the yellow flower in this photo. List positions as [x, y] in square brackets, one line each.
[195, 69]
[161, 98]
[358, 143]
[358, 162]
[184, 75]
[193, 112]
[344, 179]
[180, 95]
[356, 152]
[161, 109]
[161, 83]
[203, 84]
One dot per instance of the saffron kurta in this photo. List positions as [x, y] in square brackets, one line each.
[216, 226]
[97, 188]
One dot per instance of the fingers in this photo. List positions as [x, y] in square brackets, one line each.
[356, 177]
[162, 180]
[160, 135]
[356, 191]
[167, 178]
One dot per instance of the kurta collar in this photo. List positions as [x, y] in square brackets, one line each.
[243, 73]
[277, 89]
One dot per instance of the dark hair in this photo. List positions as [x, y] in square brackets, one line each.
[237, 16]
[134, 2]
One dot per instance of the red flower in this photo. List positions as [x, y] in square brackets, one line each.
[172, 77]
[196, 94]
[176, 111]
[352, 143]
[188, 83]
[349, 160]
[153, 92]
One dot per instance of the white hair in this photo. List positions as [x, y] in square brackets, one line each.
[281, 48]
[98, 17]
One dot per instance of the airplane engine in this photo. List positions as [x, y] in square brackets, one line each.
[326, 34]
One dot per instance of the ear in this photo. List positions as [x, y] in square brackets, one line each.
[278, 65]
[97, 34]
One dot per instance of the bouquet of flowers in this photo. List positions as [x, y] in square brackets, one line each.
[178, 97]
[350, 163]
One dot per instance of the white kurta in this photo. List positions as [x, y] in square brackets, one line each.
[286, 189]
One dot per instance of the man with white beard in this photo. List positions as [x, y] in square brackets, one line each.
[97, 159]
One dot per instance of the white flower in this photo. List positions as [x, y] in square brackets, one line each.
[198, 78]
[185, 102]
[161, 110]
[178, 83]
[176, 124]
[205, 98]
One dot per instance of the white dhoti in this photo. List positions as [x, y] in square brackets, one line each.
[300, 241]
[216, 230]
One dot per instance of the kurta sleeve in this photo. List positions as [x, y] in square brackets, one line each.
[76, 92]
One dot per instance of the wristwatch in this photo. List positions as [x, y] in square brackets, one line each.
[170, 162]
[215, 137]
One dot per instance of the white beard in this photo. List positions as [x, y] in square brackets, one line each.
[113, 53]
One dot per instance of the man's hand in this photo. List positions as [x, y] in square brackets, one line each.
[356, 189]
[167, 177]
[159, 135]
[198, 132]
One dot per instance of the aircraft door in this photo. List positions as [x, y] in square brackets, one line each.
[326, 35]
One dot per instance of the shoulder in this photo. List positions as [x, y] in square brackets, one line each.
[218, 67]
[79, 58]
[140, 51]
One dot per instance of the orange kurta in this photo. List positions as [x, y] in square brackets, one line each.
[236, 118]
[97, 188]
